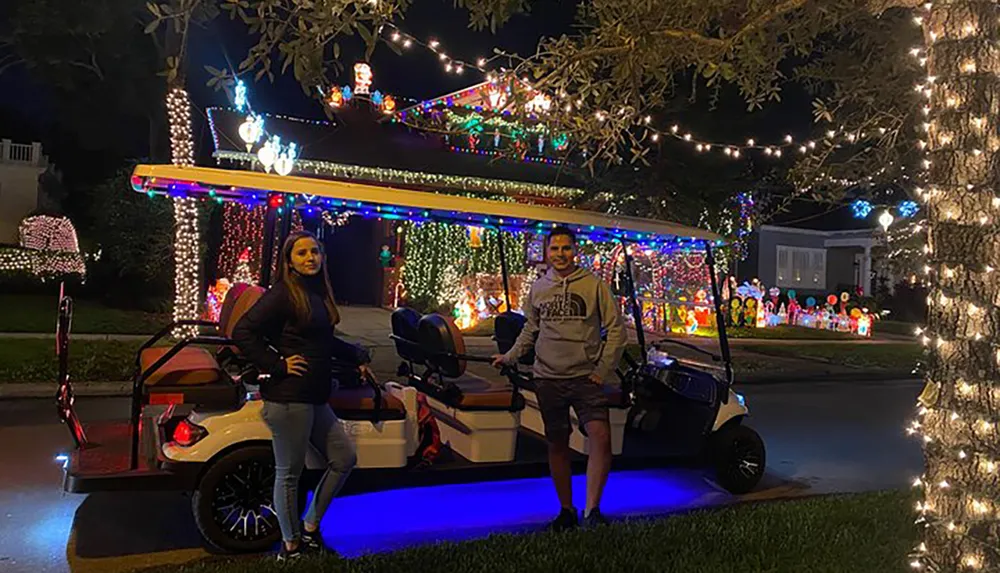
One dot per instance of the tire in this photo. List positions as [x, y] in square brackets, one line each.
[233, 503]
[738, 457]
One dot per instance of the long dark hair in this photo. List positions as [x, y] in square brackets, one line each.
[296, 288]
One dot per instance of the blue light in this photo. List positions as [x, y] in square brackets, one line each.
[861, 208]
[358, 524]
[908, 209]
[741, 399]
[240, 97]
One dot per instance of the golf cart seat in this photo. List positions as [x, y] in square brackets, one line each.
[445, 350]
[194, 374]
[360, 404]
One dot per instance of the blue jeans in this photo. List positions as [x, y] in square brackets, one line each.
[293, 427]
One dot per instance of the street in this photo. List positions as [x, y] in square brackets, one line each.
[821, 437]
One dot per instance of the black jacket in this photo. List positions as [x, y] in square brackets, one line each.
[269, 332]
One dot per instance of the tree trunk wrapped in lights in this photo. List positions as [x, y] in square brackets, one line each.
[187, 285]
[961, 401]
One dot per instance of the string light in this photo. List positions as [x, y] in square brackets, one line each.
[186, 236]
[436, 180]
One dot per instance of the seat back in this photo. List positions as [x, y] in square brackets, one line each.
[405, 325]
[506, 328]
[440, 335]
[240, 298]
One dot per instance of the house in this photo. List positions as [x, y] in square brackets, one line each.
[815, 256]
[21, 164]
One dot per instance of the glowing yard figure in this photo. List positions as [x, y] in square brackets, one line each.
[362, 78]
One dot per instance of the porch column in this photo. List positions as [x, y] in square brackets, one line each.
[866, 272]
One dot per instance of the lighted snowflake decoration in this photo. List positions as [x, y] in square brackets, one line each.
[907, 209]
[861, 208]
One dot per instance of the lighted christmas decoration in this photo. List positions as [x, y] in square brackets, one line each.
[240, 95]
[399, 176]
[242, 232]
[362, 78]
[186, 235]
[251, 130]
[243, 273]
[388, 105]
[861, 208]
[908, 209]
[48, 233]
[336, 97]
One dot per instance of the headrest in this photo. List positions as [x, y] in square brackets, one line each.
[439, 335]
[405, 322]
[506, 328]
[240, 298]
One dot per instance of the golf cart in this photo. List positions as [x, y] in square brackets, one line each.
[195, 422]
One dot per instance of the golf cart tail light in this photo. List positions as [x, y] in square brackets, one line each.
[188, 434]
[740, 399]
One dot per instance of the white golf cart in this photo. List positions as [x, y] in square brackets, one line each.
[195, 421]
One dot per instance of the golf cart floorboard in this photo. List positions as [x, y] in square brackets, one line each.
[531, 461]
[103, 463]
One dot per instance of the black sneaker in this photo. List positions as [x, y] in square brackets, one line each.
[567, 519]
[594, 519]
[290, 555]
[313, 542]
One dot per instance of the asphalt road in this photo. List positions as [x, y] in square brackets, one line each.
[821, 437]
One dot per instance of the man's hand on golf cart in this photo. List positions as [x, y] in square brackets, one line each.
[296, 365]
[499, 361]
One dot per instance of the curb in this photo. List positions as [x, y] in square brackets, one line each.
[841, 377]
[15, 390]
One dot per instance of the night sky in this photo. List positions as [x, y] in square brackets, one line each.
[25, 110]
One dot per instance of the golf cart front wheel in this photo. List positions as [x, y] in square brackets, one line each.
[233, 505]
[739, 458]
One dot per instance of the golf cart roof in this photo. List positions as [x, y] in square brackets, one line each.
[255, 188]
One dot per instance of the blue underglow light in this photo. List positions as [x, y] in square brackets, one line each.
[395, 519]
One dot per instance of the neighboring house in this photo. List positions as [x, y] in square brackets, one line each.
[20, 167]
[815, 262]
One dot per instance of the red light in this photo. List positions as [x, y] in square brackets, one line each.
[187, 434]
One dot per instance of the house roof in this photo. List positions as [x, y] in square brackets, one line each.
[358, 136]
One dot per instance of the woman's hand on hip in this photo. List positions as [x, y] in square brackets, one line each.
[367, 372]
[296, 365]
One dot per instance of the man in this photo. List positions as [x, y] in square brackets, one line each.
[566, 310]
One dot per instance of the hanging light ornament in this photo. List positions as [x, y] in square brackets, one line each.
[885, 219]
[251, 130]
[268, 152]
[286, 159]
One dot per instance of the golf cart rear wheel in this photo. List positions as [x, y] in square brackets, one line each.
[739, 458]
[233, 505]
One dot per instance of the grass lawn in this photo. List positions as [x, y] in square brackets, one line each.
[37, 313]
[897, 357]
[34, 360]
[860, 533]
[783, 333]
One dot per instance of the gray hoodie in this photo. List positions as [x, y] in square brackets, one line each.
[565, 317]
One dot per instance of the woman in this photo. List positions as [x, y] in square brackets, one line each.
[289, 334]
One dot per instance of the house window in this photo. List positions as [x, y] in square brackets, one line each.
[801, 268]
